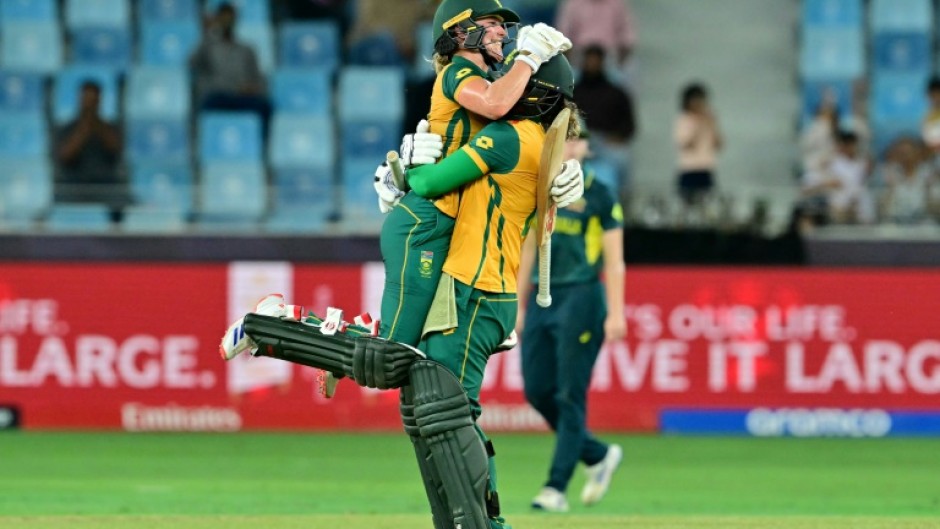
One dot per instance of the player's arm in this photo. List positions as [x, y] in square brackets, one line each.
[615, 326]
[494, 100]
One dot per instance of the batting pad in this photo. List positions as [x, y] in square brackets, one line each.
[437, 498]
[368, 361]
[443, 419]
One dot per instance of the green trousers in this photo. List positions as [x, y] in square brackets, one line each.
[415, 240]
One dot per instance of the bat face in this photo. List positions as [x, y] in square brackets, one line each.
[549, 167]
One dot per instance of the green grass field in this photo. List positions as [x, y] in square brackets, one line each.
[157, 481]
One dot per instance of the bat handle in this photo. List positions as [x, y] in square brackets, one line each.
[392, 159]
[544, 297]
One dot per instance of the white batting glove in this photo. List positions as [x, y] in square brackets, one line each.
[539, 44]
[385, 187]
[422, 147]
[569, 184]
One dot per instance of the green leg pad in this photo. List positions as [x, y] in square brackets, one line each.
[370, 362]
[440, 511]
[444, 420]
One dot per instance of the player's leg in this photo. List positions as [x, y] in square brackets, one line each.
[485, 321]
[415, 239]
[433, 485]
[368, 361]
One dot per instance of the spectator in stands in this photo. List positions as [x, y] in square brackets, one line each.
[608, 112]
[384, 31]
[698, 141]
[226, 71]
[88, 153]
[907, 178]
[838, 188]
[930, 130]
[605, 23]
[817, 140]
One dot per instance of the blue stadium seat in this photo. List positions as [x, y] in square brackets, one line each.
[297, 221]
[378, 49]
[157, 139]
[307, 92]
[833, 13]
[23, 135]
[167, 10]
[261, 38]
[250, 11]
[155, 92]
[309, 45]
[31, 46]
[303, 187]
[229, 136]
[77, 218]
[301, 141]
[901, 15]
[370, 138]
[25, 187]
[832, 53]
[902, 51]
[371, 93]
[67, 85]
[21, 92]
[142, 219]
[898, 97]
[29, 11]
[98, 13]
[605, 172]
[232, 191]
[422, 66]
[168, 43]
[162, 185]
[360, 211]
[101, 46]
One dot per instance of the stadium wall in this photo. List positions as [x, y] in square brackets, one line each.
[741, 351]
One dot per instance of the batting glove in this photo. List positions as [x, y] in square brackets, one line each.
[569, 184]
[422, 147]
[539, 44]
[385, 187]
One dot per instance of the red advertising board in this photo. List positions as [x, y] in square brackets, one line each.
[135, 347]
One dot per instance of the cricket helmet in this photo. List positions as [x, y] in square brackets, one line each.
[462, 13]
[546, 90]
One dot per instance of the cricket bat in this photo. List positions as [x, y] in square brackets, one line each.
[545, 208]
[391, 157]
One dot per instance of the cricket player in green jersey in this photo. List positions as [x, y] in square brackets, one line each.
[560, 343]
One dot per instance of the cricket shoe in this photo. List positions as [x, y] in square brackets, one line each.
[508, 343]
[599, 475]
[236, 342]
[550, 500]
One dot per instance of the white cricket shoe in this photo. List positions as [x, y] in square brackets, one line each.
[550, 500]
[599, 475]
[236, 342]
[509, 343]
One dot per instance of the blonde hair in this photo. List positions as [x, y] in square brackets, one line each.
[574, 120]
[440, 62]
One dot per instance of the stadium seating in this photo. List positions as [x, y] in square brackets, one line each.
[231, 192]
[301, 141]
[814, 90]
[422, 66]
[21, 92]
[304, 199]
[261, 38]
[157, 139]
[25, 187]
[66, 87]
[31, 46]
[141, 219]
[29, 11]
[302, 92]
[79, 218]
[158, 184]
[370, 138]
[901, 15]
[375, 50]
[103, 46]
[167, 10]
[902, 51]
[832, 53]
[168, 43]
[97, 13]
[249, 11]
[229, 137]
[157, 93]
[832, 13]
[360, 211]
[23, 135]
[371, 93]
[309, 45]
